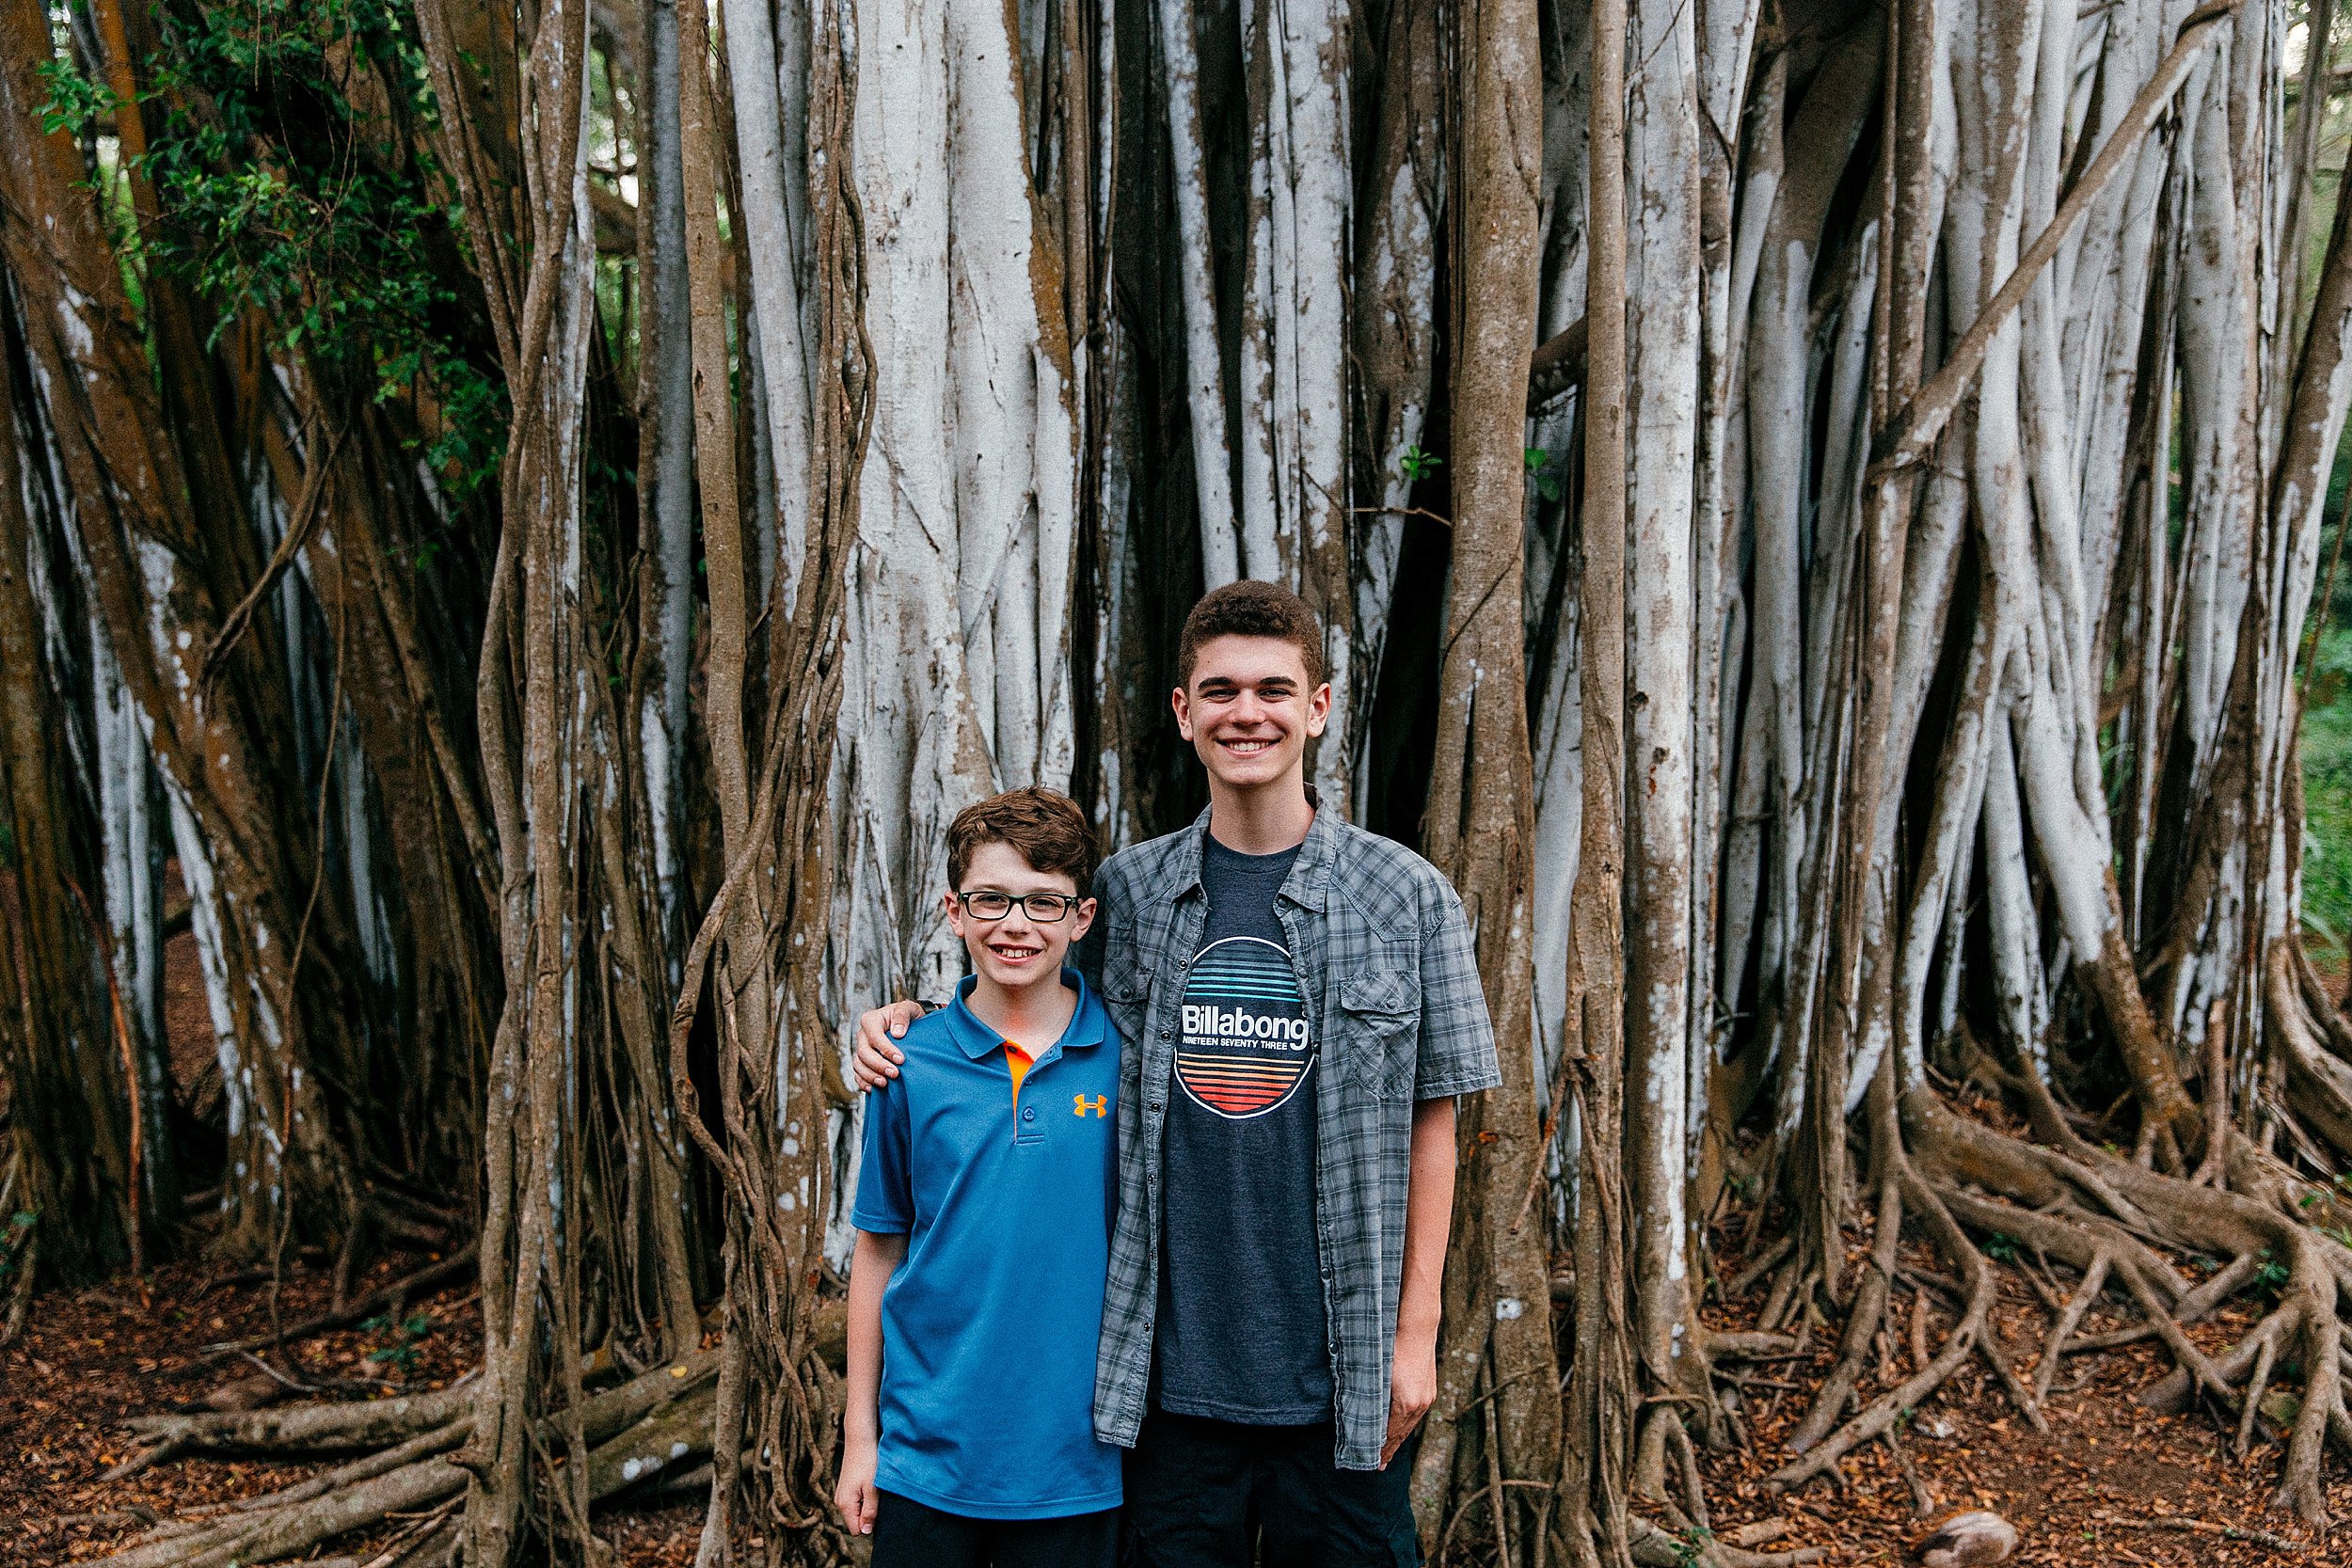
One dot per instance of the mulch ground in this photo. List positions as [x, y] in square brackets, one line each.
[2084, 1492]
[2088, 1491]
[89, 1360]
[2110, 1482]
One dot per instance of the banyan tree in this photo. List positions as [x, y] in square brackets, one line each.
[531, 518]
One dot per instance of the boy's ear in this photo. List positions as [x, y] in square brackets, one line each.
[1082, 918]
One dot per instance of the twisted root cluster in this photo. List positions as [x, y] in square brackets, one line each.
[651, 1429]
[2112, 1220]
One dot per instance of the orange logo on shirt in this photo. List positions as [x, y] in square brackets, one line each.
[1100, 1104]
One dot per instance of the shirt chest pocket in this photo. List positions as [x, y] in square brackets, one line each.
[1127, 988]
[1375, 1032]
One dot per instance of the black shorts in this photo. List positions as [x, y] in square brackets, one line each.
[908, 1534]
[1204, 1493]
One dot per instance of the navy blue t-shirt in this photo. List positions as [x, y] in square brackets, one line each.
[1241, 1333]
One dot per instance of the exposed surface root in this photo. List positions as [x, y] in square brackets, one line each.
[2115, 1220]
[1880, 1414]
[654, 1426]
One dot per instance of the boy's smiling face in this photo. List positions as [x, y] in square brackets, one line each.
[1016, 950]
[1250, 712]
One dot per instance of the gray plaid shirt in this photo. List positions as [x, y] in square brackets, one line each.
[1383, 955]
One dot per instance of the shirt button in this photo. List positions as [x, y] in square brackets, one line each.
[1155, 1105]
[1028, 1113]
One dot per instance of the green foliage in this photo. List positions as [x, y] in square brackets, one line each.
[76, 101]
[2271, 1277]
[402, 1353]
[1417, 465]
[12, 1237]
[1541, 476]
[2002, 1248]
[2328, 789]
[289, 161]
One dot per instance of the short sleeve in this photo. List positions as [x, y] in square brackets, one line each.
[885, 1186]
[1457, 1039]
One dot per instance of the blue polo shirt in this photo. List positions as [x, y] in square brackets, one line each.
[1004, 1190]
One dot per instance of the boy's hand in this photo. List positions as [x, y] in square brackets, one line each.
[876, 1059]
[1413, 1389]
[857, 1497]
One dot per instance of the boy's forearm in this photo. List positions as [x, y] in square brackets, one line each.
[1429, 1220]
[871, 1269]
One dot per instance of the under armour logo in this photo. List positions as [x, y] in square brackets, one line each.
[1100, 1104]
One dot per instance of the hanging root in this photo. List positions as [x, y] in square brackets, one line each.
[656, 1425]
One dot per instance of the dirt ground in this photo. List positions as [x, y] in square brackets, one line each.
[2090, 1491]
[90, 1358]
[2110, 1482]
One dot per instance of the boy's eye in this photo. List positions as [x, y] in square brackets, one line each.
[1043, 908]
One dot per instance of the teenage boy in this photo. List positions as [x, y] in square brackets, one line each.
[983, 1216]
[1303, 1006]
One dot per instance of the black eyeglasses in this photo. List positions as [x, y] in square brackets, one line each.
[989, 904]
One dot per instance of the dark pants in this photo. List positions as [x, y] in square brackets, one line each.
[908, 1534]
[1203, 1493]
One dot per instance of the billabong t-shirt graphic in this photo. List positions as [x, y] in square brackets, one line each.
[1246, 1045]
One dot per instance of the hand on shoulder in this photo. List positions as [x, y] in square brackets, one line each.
[875, 1059]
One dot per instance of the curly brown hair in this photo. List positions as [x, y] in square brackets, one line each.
[1251, 608]
[1045, 826]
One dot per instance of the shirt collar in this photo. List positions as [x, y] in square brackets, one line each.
[1087, 1025]
[1309, 873]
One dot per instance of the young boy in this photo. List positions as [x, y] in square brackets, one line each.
[1302, 1005]
[983, 1214]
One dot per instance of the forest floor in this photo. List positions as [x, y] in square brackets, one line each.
[90, 1358]
[2110, 1483]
